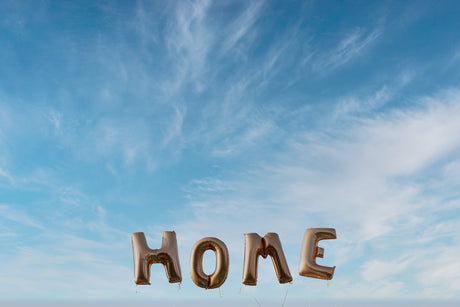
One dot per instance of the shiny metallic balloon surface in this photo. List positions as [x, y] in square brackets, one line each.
[219, 276]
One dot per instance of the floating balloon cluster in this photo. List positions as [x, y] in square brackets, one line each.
[255, 246]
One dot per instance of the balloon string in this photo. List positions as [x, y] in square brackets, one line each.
[179, 287]
[285, 297]
[221, 292]
[258, 304]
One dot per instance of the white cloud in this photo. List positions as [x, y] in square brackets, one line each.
[376, 269]
[363, 181]
[452, 171]
[440, 272]
[356, 103]
[6, 175]
[174, 130]
[55, 119]
[189, 40]
[242, 25]
[349, 47]
[9, 213]
[40, 271]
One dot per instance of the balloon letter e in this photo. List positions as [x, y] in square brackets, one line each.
[310, 250]
[144, 257]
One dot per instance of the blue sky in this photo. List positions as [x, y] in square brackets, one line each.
[223, 118]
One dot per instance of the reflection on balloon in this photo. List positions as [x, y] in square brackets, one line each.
[166, 255]
[310, 250]
[219, 276]
[256, 246]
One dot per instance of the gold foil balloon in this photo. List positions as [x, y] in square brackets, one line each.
[219, 276]
[166, 255]
[310, 250]
[256, 246]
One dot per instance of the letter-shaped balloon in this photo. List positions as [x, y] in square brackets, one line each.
[219, 276]
[310, 250]
[256, 246]
[144, 257]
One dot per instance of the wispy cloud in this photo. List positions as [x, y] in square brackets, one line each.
[355, 104]
[6, 175]
[9, 213]
[241, 26]
[377, 269]
[189, 41]
[353, 44]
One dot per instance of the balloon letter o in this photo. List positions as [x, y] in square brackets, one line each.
[219, 276]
